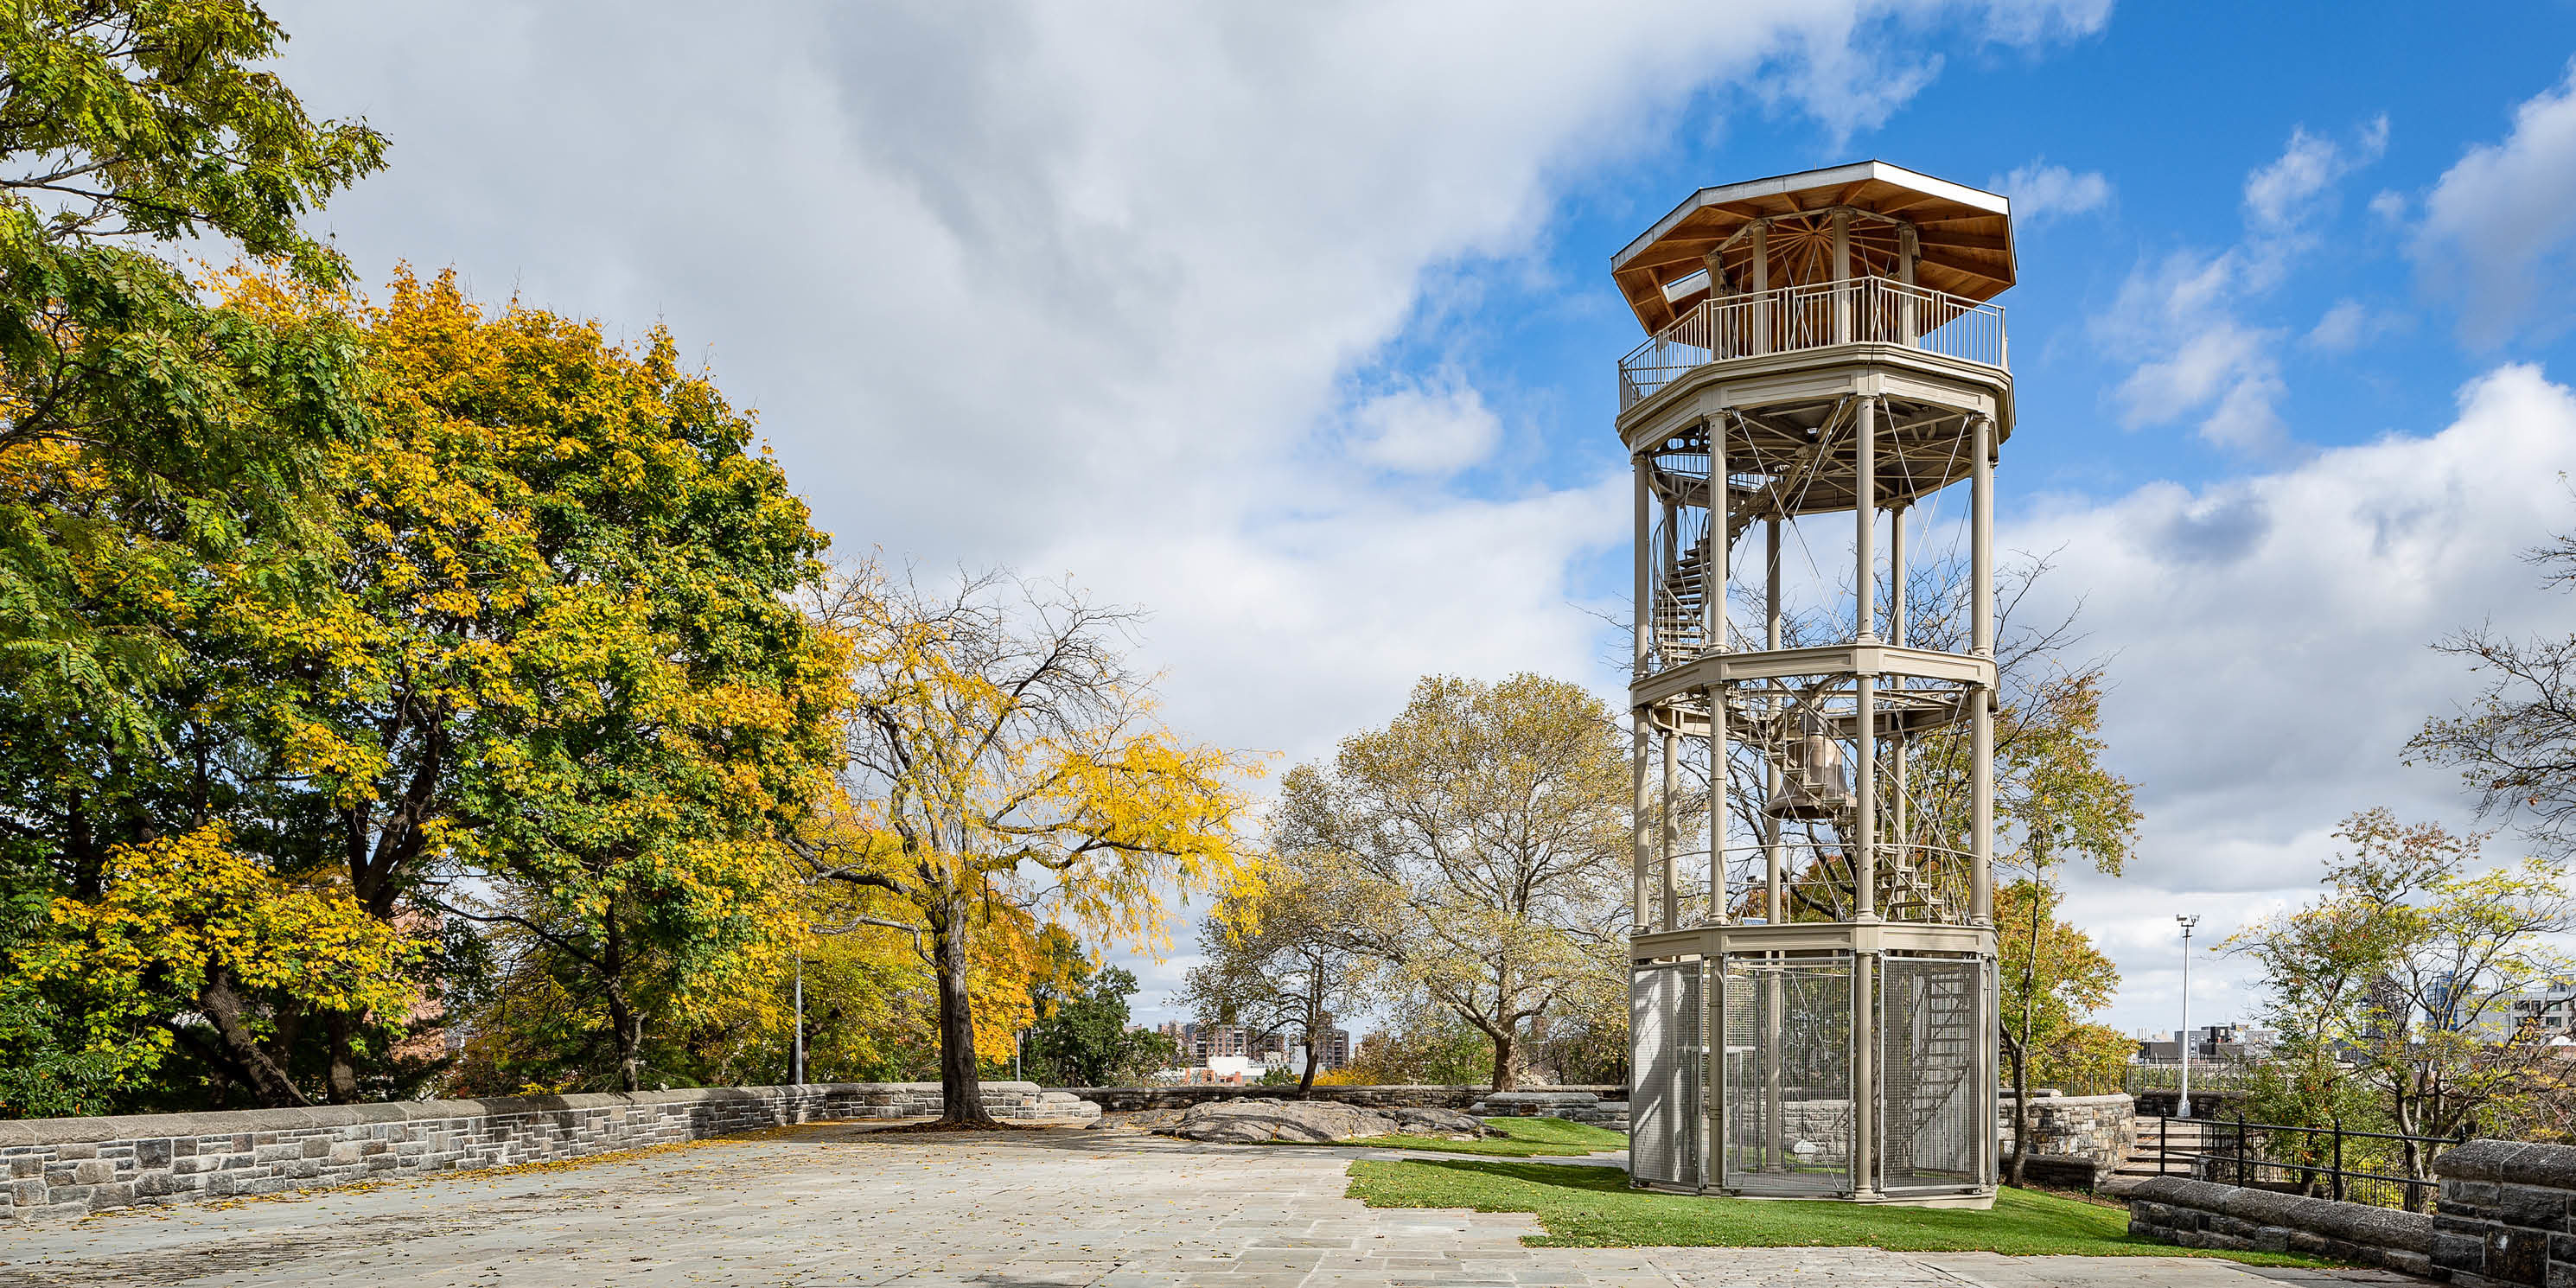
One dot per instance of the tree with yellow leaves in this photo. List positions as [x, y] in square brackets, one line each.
[1004, 759]
[592, 692]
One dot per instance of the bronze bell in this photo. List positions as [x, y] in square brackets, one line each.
[1811, 780]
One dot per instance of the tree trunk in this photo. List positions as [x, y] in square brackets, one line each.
[626, 1029]
[2020, 1049]
[625, 1020]
[224, 1008]
[961, 1088]
[1503, 1049]
[1306, 1081]
[343, 1076]
[2021, 1108]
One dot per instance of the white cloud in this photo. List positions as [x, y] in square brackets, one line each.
[2351, 324]
[2270, 653]
[2499, 223]
[1079, 287]
[2184, 316]
[2291, 190]
[2203, 360]
[2041, 192]
[1426, 429]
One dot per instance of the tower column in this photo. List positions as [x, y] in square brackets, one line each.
[1865, 716]
[1864, 1067]
[1644, 604]
[1865, 513]
[1908, 249]
[1908, 860]
[1717, 571]
[1672, 905]
[1762, 287]
[1772, 903]
[1981, 628]
[1842, 277]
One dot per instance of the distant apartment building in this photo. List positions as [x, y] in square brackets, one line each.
[1201, 1043]
[2539, 1013]
[2213, 1042]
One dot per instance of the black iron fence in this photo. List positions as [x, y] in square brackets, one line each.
[2374, 1167]
[2218, 1077]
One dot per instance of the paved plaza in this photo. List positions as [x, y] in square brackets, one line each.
[1033, 1209]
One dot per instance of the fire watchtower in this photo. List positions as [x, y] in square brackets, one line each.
[1823, 365]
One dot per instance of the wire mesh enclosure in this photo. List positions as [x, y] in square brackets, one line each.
[1776, 1114]
[1667, 1058]
[1934, 1112]
[1788, 1088]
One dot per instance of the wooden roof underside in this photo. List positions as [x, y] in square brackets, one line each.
[1964, 249]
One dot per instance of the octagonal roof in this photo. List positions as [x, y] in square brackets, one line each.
[1963, 236]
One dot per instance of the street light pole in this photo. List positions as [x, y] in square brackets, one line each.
[2182, 1106]
[796, 1076]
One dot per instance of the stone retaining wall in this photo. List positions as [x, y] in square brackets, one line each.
[1426, 1096]
[2076, 1141]
[2508, 1214]
[66, 1167]
[2205, 1214]
[1575, 1106]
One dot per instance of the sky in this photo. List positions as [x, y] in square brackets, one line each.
[1293, 325]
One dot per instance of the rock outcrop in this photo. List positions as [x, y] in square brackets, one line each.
[1310, 1121]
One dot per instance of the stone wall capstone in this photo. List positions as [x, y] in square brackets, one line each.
[2205, 1214]
[2507, 1214]
[1425, 1096]
[68, 1167]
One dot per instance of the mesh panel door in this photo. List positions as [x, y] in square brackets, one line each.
[1788, 1116]
[1933, 1105]
[1659, 1110]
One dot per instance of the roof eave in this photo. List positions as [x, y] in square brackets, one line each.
[1778, 185]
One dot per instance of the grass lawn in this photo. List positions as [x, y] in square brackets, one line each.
[1594, 1207]
[1521, 1138]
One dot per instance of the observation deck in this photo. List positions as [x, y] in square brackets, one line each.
[1869, 311]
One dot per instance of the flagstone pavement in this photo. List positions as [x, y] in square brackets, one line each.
[1057, 1208]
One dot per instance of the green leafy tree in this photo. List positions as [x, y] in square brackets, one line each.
[1434, 1047]
[1282, 955]
[1492, 822]
[2059, 982]
[2409, 962]
[1085, 1039]
[165, 518]
[595, 695]
[2062, 803]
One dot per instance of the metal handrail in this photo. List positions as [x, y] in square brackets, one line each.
[2242, 1157]
[1829, 895]
[1865, 310]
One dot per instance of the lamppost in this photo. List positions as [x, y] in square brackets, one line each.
[2182, 1106]
[796, 1076]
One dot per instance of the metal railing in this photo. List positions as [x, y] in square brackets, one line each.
[1866, 310]
[1926, 884]
[2214, 1077]
[2318, 1162]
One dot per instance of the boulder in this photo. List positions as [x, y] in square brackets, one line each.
[1252, 1121]
[1448, 1123]
[1140, 1120]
